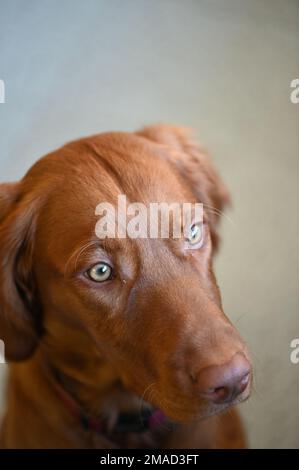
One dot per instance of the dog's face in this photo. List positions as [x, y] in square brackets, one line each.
[150, 307]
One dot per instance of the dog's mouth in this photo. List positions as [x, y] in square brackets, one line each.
[215, 390]
[186, 410]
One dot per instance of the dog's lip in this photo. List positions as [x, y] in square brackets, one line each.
[205, 413]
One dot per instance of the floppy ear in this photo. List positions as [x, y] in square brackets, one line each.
[195, 166]
[19, 323]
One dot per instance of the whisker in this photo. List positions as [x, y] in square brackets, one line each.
[240, 317]
[142, 398]
[216, 211]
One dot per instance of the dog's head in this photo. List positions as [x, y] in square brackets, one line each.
[149, 306]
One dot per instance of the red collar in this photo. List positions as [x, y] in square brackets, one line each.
[137, 422]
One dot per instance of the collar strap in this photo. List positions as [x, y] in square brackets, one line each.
[138, 422]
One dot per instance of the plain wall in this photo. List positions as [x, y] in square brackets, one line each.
[73, 68]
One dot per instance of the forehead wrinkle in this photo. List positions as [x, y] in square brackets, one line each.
[129, 160]
[103, 162]
[130, 164]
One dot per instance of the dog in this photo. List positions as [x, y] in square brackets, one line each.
[117, 342]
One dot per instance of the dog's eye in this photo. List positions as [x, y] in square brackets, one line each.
[196, 234]
[100, 272]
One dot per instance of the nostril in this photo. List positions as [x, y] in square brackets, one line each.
[243, 382]
[223, 384]
[245, 378]
[220, 394]
[227, 392]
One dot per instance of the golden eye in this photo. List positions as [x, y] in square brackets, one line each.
[100, 272]
[196, 234]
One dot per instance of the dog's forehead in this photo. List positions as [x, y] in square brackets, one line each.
[139, 167]
[100, 170]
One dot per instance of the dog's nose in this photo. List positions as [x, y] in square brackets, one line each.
[223, 383]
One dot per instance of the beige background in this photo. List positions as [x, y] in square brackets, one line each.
[73, 68]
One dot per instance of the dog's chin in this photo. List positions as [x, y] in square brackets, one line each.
[185, 416]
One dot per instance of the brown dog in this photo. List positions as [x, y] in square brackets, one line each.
[115, 342]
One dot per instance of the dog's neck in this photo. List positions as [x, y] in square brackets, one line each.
[92, 383]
